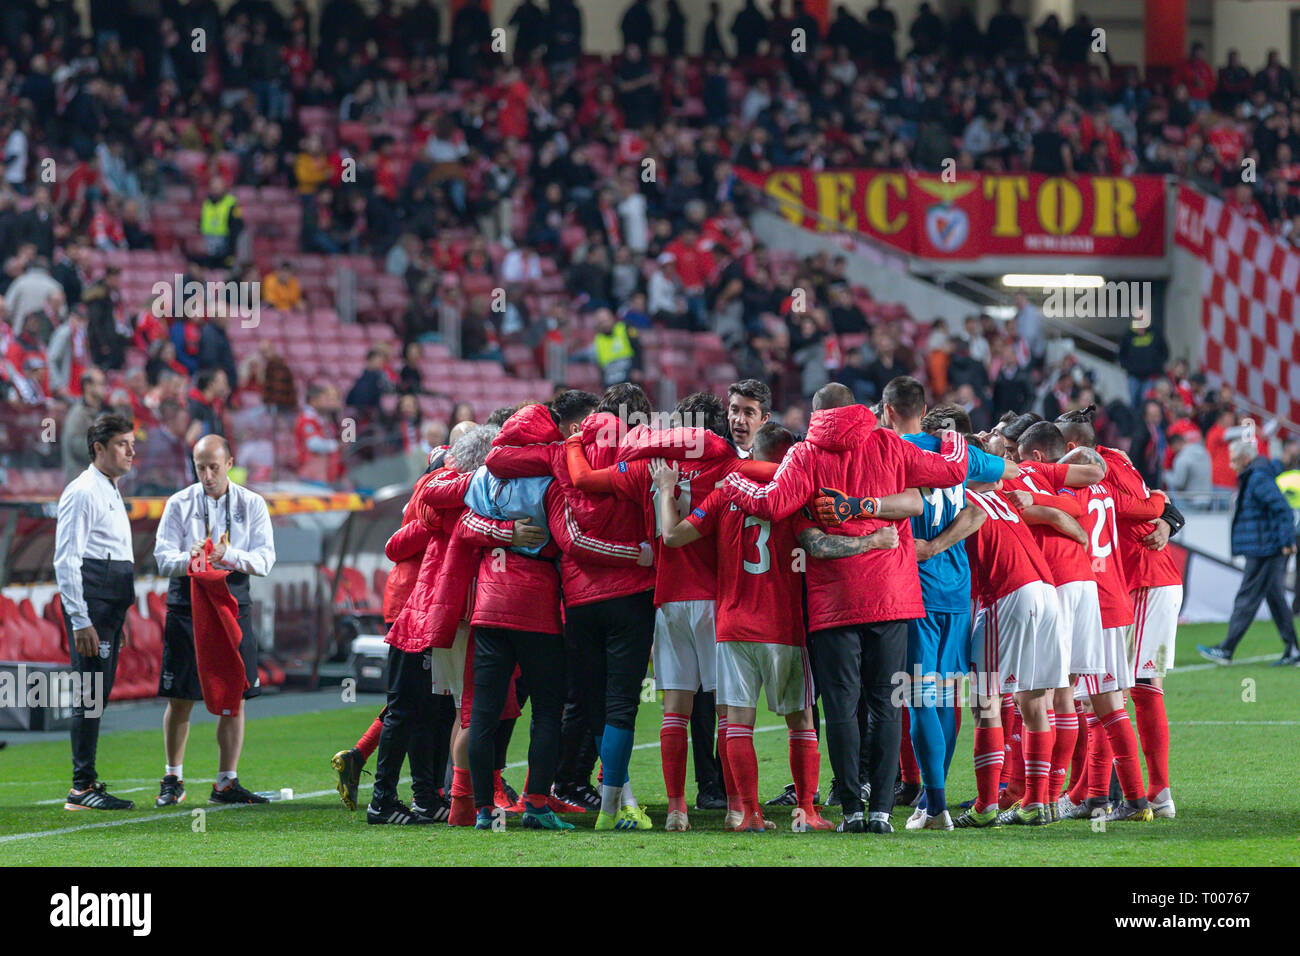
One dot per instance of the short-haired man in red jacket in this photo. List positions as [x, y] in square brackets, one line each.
[858, 606]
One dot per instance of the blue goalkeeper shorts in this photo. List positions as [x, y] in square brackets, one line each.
[939, 644]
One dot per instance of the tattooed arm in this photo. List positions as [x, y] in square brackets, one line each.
[1087, 467]
[819, 544]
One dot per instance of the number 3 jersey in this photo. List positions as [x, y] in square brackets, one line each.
[759, 573]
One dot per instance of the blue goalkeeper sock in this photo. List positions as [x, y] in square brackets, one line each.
[948, 720]
[615, 754]
[928, 743]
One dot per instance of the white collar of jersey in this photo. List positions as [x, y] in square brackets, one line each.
[103, 477]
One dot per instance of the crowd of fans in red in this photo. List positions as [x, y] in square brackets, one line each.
[533, 200]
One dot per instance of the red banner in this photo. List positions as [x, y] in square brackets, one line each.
[1014, 214]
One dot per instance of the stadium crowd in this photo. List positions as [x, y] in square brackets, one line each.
[514, 176]
[525, 175]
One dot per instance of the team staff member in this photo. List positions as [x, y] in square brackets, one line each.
[94, 565]
[239, 525]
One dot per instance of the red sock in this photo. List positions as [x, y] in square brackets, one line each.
[1100, 759]
[462, 799]
[744, 765]
[368, 741]
[805, 767]
[989, 758]
[1119, 731]
[1079, 759]
[1016, 786]
[1008, 727]
[728, 775]
[911, 770]
[672, 749]
[1038, 765]
[1153, 733]
[1067, 732]
[956, 721]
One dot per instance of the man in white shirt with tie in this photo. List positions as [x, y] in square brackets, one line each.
[94, 564]
[239, 524]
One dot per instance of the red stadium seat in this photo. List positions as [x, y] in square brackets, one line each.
[10, 643]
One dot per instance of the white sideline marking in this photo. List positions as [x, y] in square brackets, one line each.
[1235, 723]
[1210, 665]
[154, 817]
[114, 791]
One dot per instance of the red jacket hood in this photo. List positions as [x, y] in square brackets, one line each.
[839, 429]
[531, 425]
[603, 429]
[698, 444]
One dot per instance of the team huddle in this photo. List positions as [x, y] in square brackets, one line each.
[854, 579]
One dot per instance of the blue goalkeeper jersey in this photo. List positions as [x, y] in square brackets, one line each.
[945, 578]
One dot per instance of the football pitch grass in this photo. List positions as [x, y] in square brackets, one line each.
[1235, 739]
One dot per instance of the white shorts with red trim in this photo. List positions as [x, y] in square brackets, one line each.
[1117, 675]
[1080, 621]
[1155, 625]
[746, 667]
[685, 648]
[1017, 643]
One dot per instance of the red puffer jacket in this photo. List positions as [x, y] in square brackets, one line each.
[514, 591]
[845, 450]
[438, 507]
[600, 516]
[406, 550]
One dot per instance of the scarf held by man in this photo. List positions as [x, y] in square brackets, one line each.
[217, 636]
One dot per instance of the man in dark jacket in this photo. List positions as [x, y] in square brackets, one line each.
[1263, 530]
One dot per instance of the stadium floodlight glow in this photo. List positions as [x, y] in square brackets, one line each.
[1017, 280]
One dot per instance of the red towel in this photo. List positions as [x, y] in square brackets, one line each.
[216, 637]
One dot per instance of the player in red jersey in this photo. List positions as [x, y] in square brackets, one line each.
[858, 607]
[1110, 728]
[685, 578]
[1156, 587]
[1058, 505]
[1017, 647]
[760, 626]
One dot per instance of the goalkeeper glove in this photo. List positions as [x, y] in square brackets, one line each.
[835, 507]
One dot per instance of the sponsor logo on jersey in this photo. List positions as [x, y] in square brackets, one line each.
[697, 512]
[622, 466]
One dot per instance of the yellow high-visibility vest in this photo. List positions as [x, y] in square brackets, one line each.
[1289, 482]
[214, 220]
[613, 347]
